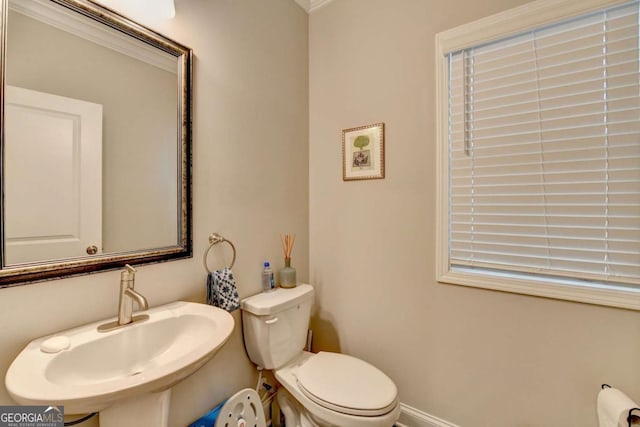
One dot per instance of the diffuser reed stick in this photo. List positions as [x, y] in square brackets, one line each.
[287, 244]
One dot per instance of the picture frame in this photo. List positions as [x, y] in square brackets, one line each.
[363, 152]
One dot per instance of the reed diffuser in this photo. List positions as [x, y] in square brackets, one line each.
[287, 274]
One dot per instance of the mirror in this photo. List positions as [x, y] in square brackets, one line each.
[96, 142]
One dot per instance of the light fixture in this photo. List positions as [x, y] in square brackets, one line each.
[143, 10]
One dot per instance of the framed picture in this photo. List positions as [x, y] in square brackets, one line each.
[363, 152]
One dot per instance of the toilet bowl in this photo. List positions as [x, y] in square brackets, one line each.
[355, 401]
[323, 389]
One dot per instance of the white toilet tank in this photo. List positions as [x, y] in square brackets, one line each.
[275, 325]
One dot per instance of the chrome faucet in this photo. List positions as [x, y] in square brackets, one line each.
[128, 295]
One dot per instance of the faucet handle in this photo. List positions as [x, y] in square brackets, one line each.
[128, 275]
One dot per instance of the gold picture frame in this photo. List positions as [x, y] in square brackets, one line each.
[363, 152]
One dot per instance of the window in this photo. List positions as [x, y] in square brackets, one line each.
[539, 152]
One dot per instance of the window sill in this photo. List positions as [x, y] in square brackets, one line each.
[569, 290]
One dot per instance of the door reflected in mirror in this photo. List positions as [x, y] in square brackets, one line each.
[96, 136]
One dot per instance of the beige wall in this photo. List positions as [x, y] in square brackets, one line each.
[250, 160]
[471, 357]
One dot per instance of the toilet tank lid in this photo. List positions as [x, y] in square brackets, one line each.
[276, 301]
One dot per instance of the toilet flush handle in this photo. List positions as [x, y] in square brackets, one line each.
[271, 321]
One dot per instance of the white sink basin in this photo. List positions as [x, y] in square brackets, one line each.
[99, 369]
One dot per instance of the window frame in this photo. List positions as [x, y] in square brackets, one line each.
[529, 16]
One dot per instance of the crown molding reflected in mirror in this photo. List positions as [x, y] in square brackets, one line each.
[112, 183]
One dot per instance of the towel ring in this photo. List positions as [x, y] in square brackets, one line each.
[214, 239]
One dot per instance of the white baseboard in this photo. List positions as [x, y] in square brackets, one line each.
[412, 417]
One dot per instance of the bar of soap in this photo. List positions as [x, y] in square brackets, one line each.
[55, 344]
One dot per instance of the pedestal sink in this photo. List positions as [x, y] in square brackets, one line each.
[126, 374]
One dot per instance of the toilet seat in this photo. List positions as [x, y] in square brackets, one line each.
[347, 385]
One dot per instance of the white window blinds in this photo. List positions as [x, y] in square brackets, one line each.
[544, 151]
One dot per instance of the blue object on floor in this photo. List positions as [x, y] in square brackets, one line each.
[209, 419]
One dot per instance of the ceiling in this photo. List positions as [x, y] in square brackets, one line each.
[311, 5]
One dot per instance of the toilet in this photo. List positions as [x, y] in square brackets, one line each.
[323, 389]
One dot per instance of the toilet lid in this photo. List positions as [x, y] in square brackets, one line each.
[346, 384]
